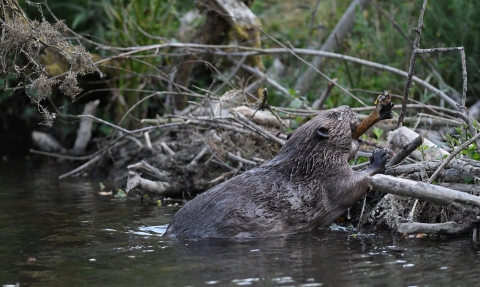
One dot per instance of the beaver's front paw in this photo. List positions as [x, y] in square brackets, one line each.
[378, 160]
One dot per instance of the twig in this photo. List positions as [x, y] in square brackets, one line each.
[167, 149]
[258, 129]
[61, 155]
[435, 50]
[318, 104]
[265, 105]
[305, 112]
[361, 213]
[411, 68]
[217, 160]
[464, 75]
[104, 122]
[214, 124]
[241, 159]
[405, 151]
[258, 73]
[156, 94]
[232, 74]
[222, 176]
[82, 167]
[147, 140]
[198, 156]
[382, 111]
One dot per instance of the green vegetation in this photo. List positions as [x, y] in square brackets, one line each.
[378, 132]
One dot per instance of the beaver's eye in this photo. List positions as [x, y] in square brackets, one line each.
[289, 135]
[322, 132]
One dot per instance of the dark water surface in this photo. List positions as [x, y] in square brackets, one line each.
[79, 238]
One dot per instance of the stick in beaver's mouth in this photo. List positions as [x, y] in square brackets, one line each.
[382, 111]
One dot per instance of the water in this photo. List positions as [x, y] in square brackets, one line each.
[63, 233]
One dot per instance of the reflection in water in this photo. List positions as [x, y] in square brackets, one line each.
[79, 238]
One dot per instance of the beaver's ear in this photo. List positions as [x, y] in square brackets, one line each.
[322, 132]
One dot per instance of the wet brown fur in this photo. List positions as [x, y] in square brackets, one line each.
[307, 185]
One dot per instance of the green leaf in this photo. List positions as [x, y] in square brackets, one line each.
[296, 103]
[378, 132]
[120, 194]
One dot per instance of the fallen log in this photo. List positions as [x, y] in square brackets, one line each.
[468, 188]
[456, 170]
[46, 142]
[443, 196]
[445, 228]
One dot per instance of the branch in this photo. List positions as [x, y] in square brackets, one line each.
[436, 194]
[445, 228]
[382, 111]
[411, 68]
[405, 151]
[258, 129]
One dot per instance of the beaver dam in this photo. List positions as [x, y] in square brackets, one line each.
[173, 159]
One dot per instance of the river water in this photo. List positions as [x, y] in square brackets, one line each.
[63, 233]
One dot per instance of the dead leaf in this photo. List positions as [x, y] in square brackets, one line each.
[105, 192]
[421, 235]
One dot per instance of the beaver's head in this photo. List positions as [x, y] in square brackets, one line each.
[327, 138]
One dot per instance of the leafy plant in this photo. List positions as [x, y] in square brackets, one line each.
[378, 132]
[423, 149]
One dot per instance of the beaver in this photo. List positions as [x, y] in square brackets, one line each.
[309, 184]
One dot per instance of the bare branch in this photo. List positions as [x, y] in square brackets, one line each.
[411, 68]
